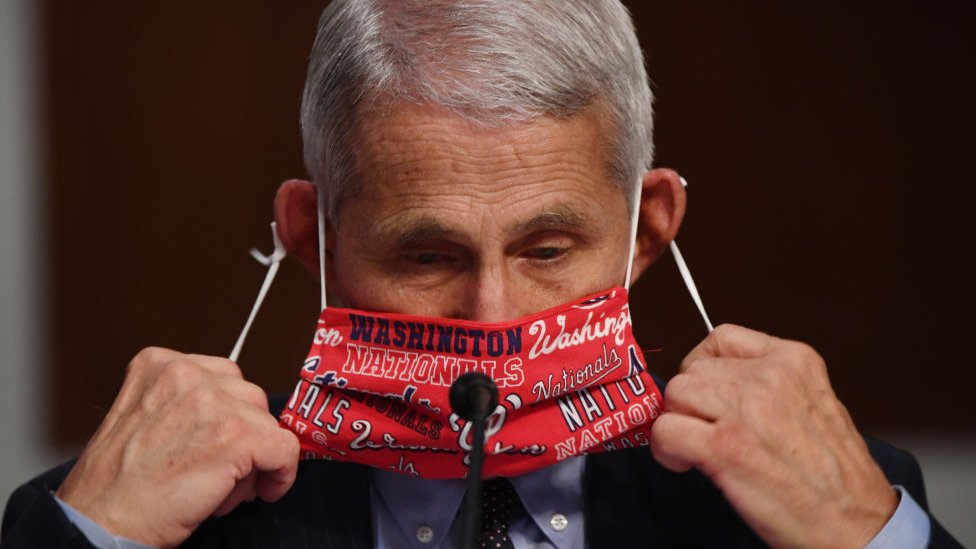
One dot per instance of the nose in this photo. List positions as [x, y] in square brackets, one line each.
[490, 296]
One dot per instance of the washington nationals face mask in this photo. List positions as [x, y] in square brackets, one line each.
[374, 387]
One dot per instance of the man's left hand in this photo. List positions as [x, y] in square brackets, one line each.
[758, 416]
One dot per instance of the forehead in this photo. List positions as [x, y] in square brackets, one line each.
[419, 157]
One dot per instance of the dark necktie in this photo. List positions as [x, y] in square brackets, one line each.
[499, 503]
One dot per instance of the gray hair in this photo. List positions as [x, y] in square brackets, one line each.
[491, 61]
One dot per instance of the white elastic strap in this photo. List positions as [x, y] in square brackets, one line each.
[321, 220]
[634, 215]
[690, 283]
[686, 275]
[272, 262]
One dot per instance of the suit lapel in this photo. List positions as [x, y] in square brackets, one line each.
[616, 504]
[632, 501]
[329, 506]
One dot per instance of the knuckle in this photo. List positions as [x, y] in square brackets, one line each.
[723, 333]
[836, 409]
[269, 422]
[815, 361]
[231, 427]
[149, 354]
[806, 359]
[800, 349]
[145, 358]
[772, 376]
[200, 400]
[225, 430]
[255, 394]
[183, 372]
[726, 338]
[231, 365]
[227, 366]
[173, 379]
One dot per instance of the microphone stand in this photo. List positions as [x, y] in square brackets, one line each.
[473, 397]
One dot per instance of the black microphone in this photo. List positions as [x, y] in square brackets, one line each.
[473, 396]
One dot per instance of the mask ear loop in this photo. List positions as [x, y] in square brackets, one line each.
[320, 199]
[690, 284]
[272, 262]
[678, 258]
[634, 214]
[688, 280]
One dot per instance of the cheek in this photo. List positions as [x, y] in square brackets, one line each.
[595, 270]
[352, 275]
[365, 284]
[601, 270]
[389, 297]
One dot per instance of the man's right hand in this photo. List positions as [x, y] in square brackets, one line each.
[186, 438]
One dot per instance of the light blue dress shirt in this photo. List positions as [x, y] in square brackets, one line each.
[419, 513]
[908, 527]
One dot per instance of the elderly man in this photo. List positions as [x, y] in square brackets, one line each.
[477, 163]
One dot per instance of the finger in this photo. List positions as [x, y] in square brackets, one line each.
[271, 452]
[273, 483]
[731, 341]
[243, 490]
[710, 390]
[679, 442]
[274, 454]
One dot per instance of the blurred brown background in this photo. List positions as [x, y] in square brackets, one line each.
[828, 148]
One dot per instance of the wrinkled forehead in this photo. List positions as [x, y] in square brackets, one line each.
[415, 154]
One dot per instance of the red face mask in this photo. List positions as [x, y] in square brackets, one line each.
[571, 380]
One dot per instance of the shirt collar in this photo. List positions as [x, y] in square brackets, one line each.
[555, 490]
[415, 502]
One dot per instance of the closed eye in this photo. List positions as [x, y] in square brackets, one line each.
[545, 253]
[428, 258]
[546, 248]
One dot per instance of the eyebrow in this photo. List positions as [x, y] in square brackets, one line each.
[427, 228]
[561, 217]
[420, 230]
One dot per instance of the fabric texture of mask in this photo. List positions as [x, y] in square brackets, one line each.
[571, 380]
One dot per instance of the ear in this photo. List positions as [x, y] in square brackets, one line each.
[296, 216]
[662, 208]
